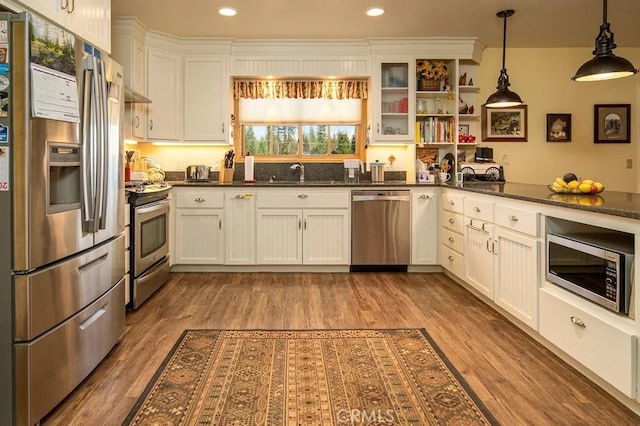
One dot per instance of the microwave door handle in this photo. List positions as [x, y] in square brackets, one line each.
[103, 143]
[87, 154]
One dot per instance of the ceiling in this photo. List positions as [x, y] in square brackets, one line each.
[536, 23]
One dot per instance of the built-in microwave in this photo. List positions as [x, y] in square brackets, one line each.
[597, 266]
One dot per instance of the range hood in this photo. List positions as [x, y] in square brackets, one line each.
[131, 96]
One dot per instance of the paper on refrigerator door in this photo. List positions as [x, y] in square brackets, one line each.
[54, 95]
[4, 168]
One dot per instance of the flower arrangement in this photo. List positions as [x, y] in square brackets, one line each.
[446, 166]
[431, 70]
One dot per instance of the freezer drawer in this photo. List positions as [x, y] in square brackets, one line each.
[48, 297]
[51, 366]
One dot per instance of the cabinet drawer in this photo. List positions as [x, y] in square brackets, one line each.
[478, 209]
[452, 221]
[452, 202]
[203, 198]
[451, 261]
[524, 221]
[452, 240]
[608, 351]
[302, 199]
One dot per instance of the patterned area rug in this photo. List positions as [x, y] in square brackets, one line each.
[329, 377]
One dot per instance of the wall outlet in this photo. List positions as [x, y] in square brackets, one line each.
[629, 163]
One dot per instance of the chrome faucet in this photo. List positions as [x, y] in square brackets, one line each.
[301, 167]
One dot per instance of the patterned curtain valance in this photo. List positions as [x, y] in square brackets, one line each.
[280, 89]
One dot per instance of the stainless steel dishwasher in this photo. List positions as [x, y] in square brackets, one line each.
[380, 228]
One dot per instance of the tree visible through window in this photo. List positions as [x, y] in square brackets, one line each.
[317, 139]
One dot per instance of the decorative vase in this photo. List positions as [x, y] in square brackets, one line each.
[426, 85]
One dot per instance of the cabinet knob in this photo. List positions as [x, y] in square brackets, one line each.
[240, 196]
[477, 209]
[450, 258]
[425, 197]
[451, 239]
[451, 220]
[577, 321]
[513, 218]
[303, 196]
[199, 200]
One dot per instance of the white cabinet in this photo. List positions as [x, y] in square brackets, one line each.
[393, 82]
[452, 232]
[129, 50]
[311, 227]
[601, 341]
[425, 209]
[198, 226]
[88, 19]
[517, 275]
[164, 72]
[479, 248]
[206, 95]
[240, 227]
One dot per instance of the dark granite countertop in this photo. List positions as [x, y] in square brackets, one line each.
[624, 204]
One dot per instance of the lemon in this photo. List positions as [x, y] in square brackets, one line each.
[589, 181]
[573, 184]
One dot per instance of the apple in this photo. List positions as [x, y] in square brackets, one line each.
[594, 189]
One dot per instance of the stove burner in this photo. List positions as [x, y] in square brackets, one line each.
[146, 192]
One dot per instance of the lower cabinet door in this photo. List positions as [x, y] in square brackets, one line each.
[199, 238]
[424, 228]
[279, 237]
[326, 237]
[517, 275]
[479, 256]
[240, 228]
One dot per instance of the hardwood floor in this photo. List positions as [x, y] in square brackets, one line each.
[520, 381]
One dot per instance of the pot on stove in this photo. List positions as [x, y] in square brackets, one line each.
[198, 173]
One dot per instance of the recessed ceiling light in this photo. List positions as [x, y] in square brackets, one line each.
[375, 11]
[227, 11]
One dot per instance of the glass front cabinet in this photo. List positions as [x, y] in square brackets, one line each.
[393, 109]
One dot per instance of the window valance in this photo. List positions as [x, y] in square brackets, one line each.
[302, 89]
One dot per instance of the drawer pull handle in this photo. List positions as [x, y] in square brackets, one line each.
[451, 220]
[240, 197]
[199, 200]
[450, 258]
[303, 196]
[219, 223]
[425, 197]
[513, 218]
[451, 202]
[577, 321]
[477, 209]
[451, 239]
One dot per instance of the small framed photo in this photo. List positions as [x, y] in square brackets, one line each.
[504, 124]
[558, 127]
[463, 130]
[611, 123]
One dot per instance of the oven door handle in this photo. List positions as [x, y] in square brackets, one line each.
[151, 207]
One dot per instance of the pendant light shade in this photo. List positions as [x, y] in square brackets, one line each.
[605, 65]
[503, 97]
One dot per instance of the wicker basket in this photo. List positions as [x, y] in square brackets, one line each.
[426, 85]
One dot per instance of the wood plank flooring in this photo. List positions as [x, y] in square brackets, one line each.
[520, 381]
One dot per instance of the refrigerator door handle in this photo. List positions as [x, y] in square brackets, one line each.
[87, 173]
[103, 145]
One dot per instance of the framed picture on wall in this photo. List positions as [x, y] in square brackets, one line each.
[558, 127]
[504, 124]
[611, 123]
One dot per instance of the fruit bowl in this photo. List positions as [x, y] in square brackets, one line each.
[573, 191]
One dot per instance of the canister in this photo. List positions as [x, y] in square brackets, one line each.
[377, 172]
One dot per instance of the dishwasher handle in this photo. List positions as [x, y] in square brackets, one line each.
[380, 196]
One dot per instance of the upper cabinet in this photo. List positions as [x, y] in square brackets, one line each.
[206, 99]
[164, 80]
[392, 92]
[88, 19]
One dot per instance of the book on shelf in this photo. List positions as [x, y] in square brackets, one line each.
[435, 130]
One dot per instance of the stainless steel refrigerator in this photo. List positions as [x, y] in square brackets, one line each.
[62, 202]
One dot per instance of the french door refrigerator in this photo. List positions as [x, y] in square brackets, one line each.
[62, 204]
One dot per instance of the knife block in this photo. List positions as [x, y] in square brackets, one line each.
[226, 175]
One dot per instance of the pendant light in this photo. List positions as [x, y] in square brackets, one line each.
[503, 97]
[605, 65]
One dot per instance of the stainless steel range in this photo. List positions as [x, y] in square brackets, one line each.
[149, 239]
